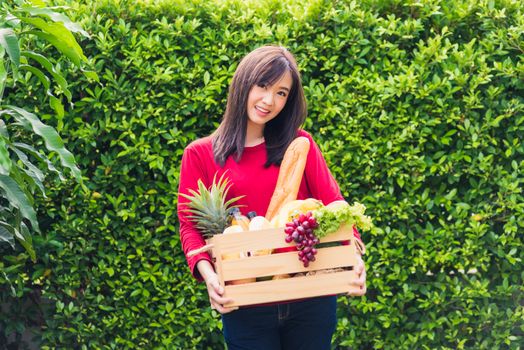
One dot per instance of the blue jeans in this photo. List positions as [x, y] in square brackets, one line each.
[300, 325]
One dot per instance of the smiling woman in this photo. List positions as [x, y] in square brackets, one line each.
[266, 91]
[264, 103]
[265, 110]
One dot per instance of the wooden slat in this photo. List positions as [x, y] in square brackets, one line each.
[290, 289]
[218, 266]
[283, 263]
[266, 239]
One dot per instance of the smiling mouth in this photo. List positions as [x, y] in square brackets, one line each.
[262, 110]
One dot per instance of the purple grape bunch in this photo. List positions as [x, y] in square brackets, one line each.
[301, 231]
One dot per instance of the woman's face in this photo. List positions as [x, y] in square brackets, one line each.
[265, 102]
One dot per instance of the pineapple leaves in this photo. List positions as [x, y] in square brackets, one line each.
[209, 207]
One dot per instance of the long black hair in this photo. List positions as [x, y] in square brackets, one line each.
[263, 66]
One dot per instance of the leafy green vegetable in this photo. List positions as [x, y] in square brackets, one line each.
[330, 219]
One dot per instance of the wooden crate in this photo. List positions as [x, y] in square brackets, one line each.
[267, 291]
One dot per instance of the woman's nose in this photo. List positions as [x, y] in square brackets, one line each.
[268, 98]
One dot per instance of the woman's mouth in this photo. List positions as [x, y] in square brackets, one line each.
[262, 111]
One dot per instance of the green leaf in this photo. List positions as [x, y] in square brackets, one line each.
[37, 73]
[39, 3]
[106, 308]
[57, 30]
[9, 42]
[52, 140]
[56, 17]
[364, 51]
[25, 182]
[70, 52]
[18, 199]
[27, 241]
[91, 75]
[3, 129]
[45, 63]
[180, 301]
[31, 150]
[451, 194]
[31, 170]
[57, 105]
[5, 159]
[3, 77]
[6, 235]
[464, 206]
[169, 307]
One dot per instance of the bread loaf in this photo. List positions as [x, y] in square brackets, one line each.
[289, 175]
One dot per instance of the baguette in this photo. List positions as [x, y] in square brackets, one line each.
[289, 175]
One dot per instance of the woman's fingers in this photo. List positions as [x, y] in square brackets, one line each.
[220, 308]
[357, 291]
[216, 287]
[359, 268]
[215, 291]
[217, 303]
[358, 284]
[218, 299]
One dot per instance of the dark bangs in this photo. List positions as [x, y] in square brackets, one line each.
[271, 72]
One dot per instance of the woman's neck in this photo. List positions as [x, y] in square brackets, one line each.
[254, 135]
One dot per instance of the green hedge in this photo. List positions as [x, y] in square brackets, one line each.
[418, 107]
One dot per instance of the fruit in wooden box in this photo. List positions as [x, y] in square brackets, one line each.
[259, 223]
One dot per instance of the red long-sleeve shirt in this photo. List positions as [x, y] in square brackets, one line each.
[249, 178]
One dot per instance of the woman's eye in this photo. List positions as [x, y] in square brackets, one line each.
[282, 93]
[262, 85]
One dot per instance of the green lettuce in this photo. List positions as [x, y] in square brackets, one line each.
[330, 219]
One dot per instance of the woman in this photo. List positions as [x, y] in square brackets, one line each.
[265, 109]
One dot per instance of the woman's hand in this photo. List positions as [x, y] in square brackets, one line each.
[358, 285]
[214, 289]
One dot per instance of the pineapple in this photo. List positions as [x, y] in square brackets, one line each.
[209, 206]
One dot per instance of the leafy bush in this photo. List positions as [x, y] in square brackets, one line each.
[20, 178]
[418, 108]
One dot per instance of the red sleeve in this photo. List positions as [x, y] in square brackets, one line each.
[356, 234]
[319, 179]
[191, 170]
